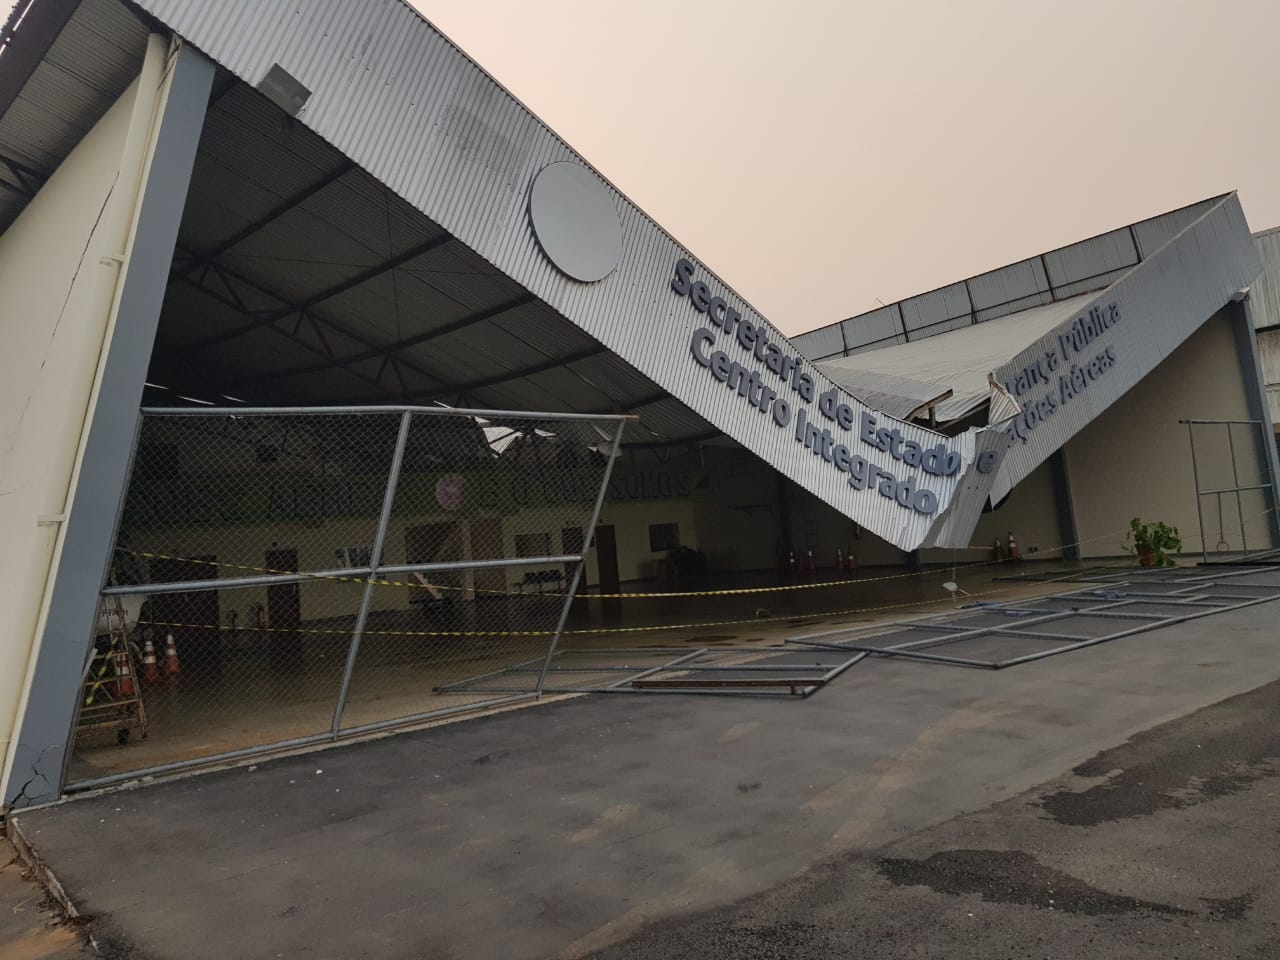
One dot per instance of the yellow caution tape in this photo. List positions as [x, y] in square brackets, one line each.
[592, 631]
[727, 592]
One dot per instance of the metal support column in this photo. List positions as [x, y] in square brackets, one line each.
[1255, 388]
[1195, 478]
[1235, 482]
[47, 724]
[588, 536]
[1068, 532]
[375, 562]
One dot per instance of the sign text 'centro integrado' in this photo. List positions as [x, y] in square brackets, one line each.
[780, 386]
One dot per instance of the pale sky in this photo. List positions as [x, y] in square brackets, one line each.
[819, 154]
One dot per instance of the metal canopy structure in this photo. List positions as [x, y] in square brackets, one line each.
[358, 230]
[299, 278]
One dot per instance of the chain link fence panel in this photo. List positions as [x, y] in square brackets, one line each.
[290, 576]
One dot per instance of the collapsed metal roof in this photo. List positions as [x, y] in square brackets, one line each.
[298, 277]
[959, 362]
[370, 242]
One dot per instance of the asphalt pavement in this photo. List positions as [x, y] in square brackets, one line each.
[1163, 848]
[896, 813]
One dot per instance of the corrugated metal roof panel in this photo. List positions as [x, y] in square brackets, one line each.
[1154, 233]
[889, 393]
[1090, 284]
[872, 327]
[961, 360]
[935, 307]
[625, 382]
[1097, 257]
[820, 344]
[46, 136]
[996, 293]
[1264, 295]
[1015, 306]
[1078, 268]
[671, 419]
[90, 63]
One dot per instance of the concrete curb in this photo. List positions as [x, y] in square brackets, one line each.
[46, 877]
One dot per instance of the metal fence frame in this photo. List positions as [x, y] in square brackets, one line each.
[369, 573]
[1265, 439]
[1196, 597]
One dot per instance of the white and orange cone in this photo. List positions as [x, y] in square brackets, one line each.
[150, 668]
[171, 666]
[124, 676]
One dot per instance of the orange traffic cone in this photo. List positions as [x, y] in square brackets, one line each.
[124, 676]
[171, 666]
[150, 668]
[1014, 554]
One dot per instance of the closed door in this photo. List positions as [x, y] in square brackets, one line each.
[606, 544]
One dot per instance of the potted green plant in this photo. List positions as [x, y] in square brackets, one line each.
[1153, 543]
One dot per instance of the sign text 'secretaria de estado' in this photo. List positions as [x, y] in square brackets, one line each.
[784, 390]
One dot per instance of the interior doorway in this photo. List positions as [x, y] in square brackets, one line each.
[606, 546]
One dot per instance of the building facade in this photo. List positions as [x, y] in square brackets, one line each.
[251, 206]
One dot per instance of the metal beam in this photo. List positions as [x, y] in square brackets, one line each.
[27, 180]
[383, 351]
[517, 374]
[677, 441]
[230, 275]
[301, 307]
[228, 301]
[272, 215]
[644, 401]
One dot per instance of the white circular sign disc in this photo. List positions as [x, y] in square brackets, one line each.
[575, 221]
